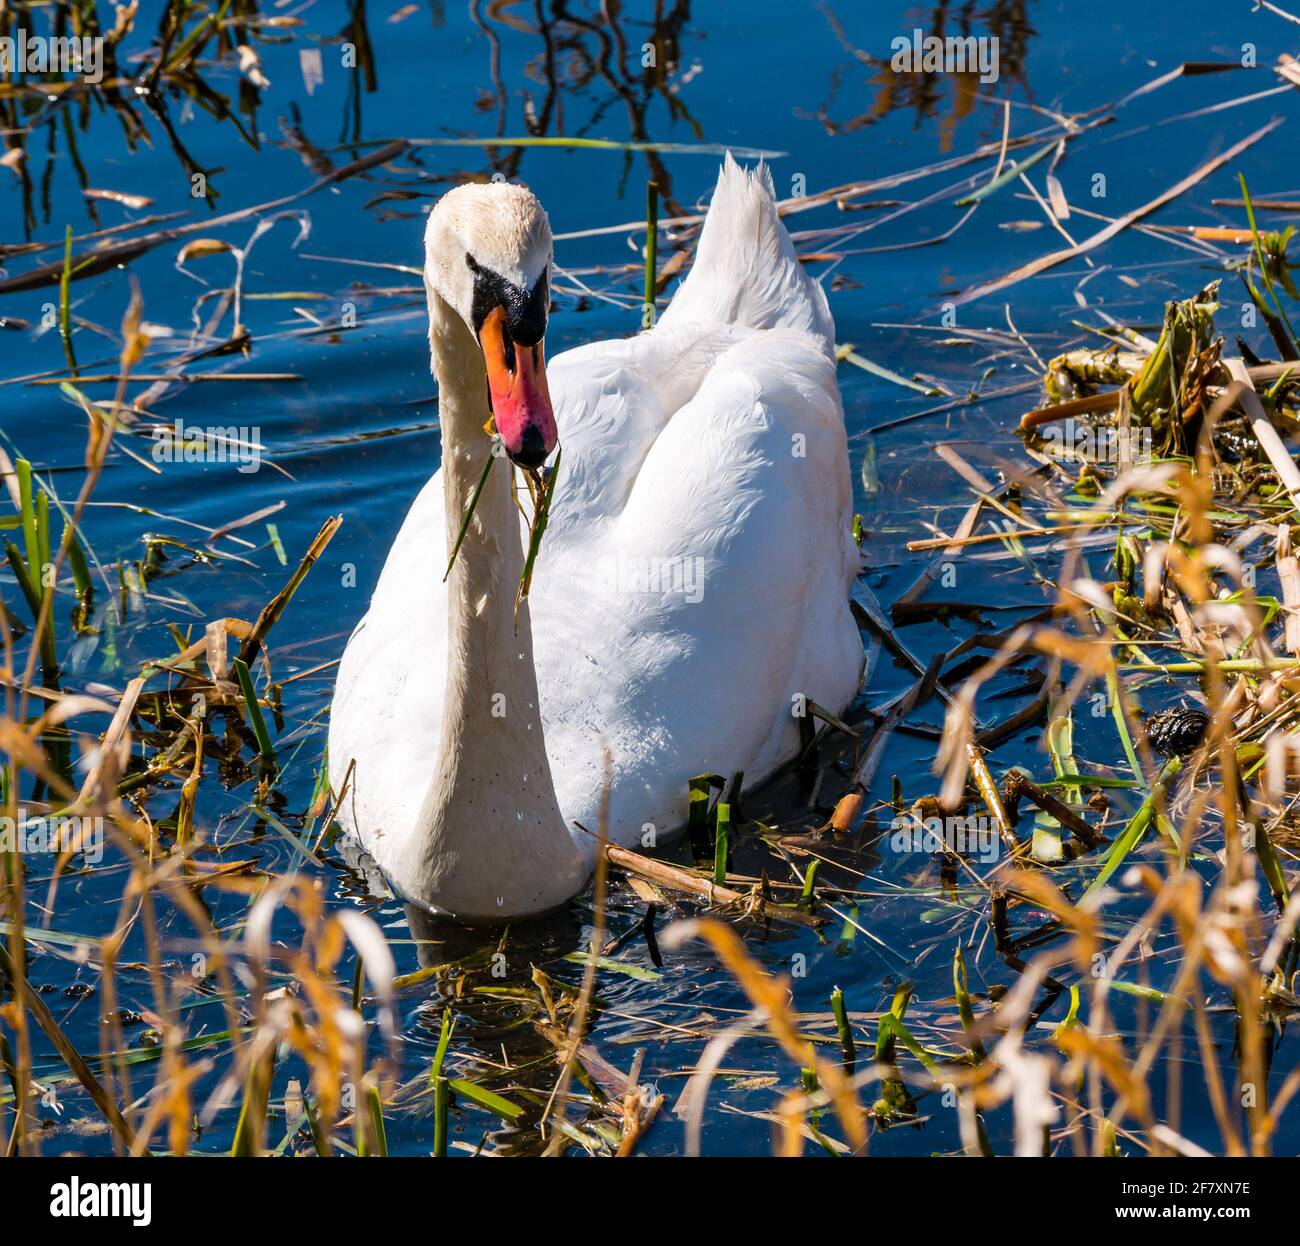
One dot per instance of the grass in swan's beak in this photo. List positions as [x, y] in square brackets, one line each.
[469, 511]
[541, 487]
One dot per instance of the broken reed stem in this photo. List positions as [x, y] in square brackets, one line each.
[273, 609]
[676, 879]
[1019, 784]
[988, 790]
[1010, 534]
[1273, 446]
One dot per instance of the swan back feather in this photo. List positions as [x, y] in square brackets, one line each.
[746, 271]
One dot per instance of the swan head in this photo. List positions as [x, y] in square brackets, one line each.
[487, 253]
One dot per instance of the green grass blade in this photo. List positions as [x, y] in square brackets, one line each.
[469, 513]
[721, 843]
[493, 1102]
[538, 531]
[378, 1134]
[253, 709]
[1132, 834]
[841, 1015]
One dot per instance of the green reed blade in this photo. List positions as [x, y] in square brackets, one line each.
[1121, 724]
[1263, 265]
[842, 1027]
[65, 302]
[358, 984]
[440, 1052]
[441, 1101]
[1271, 866]
[961, 990]
[806, 898]
[77, 564]
[892, 1030]
[721, 843]
[319, 1141]
[43, 535]
[897, 1011]
[253, 709]
[378, 1134]
[249, 1129]
[538, 531]
[493, 1102]
[19, 567]
[697, 810]
[1006, 176]
[27, 513]
[441, 1086]
[1071, 1017]
[469, 512]
[1132, 834]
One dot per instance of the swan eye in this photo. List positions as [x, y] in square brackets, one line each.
[471, 263]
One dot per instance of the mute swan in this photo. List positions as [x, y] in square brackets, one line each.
[691, 589]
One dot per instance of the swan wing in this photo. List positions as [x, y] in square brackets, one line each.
[683, 632]
[387, 711]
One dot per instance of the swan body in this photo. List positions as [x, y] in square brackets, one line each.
[690, 592]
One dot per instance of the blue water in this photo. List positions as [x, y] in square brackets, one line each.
[354, 431]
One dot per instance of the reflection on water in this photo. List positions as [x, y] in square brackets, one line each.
[598, 56]
[948, 96]
[589, 55]
[575, 70]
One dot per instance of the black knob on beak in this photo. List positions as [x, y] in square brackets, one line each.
[532, 450]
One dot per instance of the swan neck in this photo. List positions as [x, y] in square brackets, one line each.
[492, 842]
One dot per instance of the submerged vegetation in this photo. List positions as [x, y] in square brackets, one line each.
[1104, 875]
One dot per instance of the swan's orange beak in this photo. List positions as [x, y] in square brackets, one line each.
[521, 403]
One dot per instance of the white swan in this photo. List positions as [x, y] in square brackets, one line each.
[692, 585]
